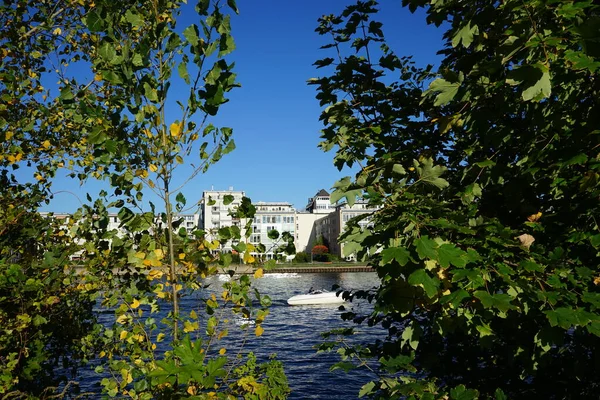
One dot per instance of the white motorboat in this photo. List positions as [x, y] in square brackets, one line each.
[316, 297]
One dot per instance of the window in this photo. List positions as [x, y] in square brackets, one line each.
[255, 238]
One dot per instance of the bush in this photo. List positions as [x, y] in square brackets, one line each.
[302, 257]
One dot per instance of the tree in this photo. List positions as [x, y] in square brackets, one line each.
[106, 118]
[486, 172]
[320, 252]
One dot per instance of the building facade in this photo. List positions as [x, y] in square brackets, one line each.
[270, 216]
[332, 226]
[215, 214]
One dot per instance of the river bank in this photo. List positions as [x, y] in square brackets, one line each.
[304, 268]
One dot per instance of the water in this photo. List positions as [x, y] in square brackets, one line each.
[292, 332]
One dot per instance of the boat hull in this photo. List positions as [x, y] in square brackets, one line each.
[315, 299]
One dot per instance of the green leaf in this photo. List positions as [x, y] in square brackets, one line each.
[66, 94]
[150, 92]
[94, 22]
[233, 6]
[426, 248]
[366, 389]
[455, 298]
[227, 199]
[345, 366]
[133, 18]
[421, 278]
[446, 91]
[412, 334]
[191, 34]
[534, 79]
[499, 301]
[499, 394]
[540, 90]
[400, 254]
[399, 169]
[97, 135]
[183, 72]
[180, 198]
[462, 393]
[107, 52]
[465, 35]
[450, 254]
[431, 174]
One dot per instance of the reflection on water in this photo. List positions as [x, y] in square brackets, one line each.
[292, 331]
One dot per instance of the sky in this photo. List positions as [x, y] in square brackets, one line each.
[274, 115]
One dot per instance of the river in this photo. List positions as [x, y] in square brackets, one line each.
[292, 332]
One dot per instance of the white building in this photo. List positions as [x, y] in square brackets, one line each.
[306, 235]
[215, 214]
[320, 203]
[270, 216]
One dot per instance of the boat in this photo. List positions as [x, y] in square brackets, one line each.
[315, 297]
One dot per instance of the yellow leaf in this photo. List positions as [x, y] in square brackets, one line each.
[248, 258]
[181, 256]
[46, 144]
[135, 304]
[8, 135]
[534, 217]
[39, 177]
[152, 167]
[258, 273]
[155, 274]
[213, 297]
[191, 390]
[160, 337]
[193, 315]
[159, 253]
[222, 351]
[147, 263]
[57, 31]
[225, 294]
[190, 326]
[175, 129]
[122, 319]
[259, 330]
[140, 255]
[98, 77]
[123, 335]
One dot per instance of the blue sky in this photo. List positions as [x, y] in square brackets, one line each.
[274, 115]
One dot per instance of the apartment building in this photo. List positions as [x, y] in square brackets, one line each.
[215, 214]
[279, 216]
[320, 218]
[320, 203]
[335, 223]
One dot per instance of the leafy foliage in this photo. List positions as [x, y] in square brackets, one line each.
[486, 172]
[105, 118]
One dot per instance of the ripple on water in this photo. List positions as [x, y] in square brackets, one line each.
[292, 332]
